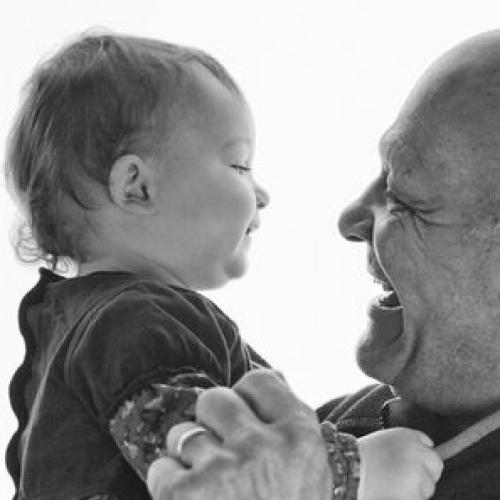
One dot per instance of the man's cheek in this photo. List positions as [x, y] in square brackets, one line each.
[392, 254]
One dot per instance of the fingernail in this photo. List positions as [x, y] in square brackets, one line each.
[425, 439]
[280, 375]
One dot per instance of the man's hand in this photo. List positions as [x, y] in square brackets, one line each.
[264, 444]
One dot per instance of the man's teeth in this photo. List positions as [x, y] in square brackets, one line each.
[389, 299]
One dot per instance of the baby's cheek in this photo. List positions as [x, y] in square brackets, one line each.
[242, 205]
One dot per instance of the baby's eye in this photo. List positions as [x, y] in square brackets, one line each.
[241, 169]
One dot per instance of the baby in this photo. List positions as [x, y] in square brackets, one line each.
[133, 159]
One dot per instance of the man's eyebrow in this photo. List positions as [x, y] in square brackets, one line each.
[386, 143]
[389, 145]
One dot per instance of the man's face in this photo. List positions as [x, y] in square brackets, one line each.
[431, 223]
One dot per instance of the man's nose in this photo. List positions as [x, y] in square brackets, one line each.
[262, 196]
[356, 222]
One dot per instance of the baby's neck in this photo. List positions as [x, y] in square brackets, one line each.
[140, 267]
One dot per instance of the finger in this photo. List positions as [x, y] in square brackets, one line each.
[427, 487]
[433, 464]
[162, 474]
[267, 394]
[194, 450]
[415, 436]
[424, 439]
[224, 412]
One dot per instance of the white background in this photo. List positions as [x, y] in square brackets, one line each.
[324, 79]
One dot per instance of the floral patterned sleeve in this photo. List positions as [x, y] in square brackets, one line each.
[102, 497]
[141, 424]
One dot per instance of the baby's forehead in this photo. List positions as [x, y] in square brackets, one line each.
[203, 90]
[207, 101]
[196, 91]
[202, 109]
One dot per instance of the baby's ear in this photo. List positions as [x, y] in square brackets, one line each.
[131, 184]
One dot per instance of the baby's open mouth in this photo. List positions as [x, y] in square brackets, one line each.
[252, 227]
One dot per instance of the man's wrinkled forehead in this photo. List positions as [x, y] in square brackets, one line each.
[387, 143]
[398, 153]
[411, 161]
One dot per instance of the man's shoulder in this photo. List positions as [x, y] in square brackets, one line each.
[358, 413]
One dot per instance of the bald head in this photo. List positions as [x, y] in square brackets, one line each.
[464, 80]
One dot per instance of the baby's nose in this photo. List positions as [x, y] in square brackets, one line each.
[262, 196]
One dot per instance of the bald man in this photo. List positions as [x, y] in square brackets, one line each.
[431, 222]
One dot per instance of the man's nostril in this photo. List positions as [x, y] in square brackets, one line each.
[352, 237]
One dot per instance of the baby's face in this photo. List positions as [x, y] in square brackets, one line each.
[208, 200]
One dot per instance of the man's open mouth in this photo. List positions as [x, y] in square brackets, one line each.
[389, 298]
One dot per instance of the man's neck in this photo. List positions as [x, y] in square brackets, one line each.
[398, 412]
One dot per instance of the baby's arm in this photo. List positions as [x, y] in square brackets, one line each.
[141, 424]
[394, 464]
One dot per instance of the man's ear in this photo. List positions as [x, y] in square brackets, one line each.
[131, 184]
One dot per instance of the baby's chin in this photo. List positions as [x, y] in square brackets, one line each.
[235, 268]
[230, 270]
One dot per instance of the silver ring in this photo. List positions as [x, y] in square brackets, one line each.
[186, 436]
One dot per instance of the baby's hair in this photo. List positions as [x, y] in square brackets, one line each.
[98, 98]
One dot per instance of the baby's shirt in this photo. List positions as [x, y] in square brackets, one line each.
[113, 361]
[94, 343]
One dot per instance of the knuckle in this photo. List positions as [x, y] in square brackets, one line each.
[250, 439]
[168, 488]
[213, 397]
[256, 379]
[310, 414]
[224, 463]
[305, 423]
[182, 489]
[301, 433]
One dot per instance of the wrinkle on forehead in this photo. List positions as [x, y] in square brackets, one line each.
[447, 156]
[409, 161]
